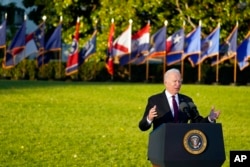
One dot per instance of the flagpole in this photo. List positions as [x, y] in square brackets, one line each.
[217, 69]
[44, 19]
[164, 58]
[96, 21]
[77, 21]
[235, 63]
[182, 60]
[199, 65]
[24, 59]
[111, 56]
[217, 64]
[112, 75]
[147, 70]
[4, 53]
[235, 68]
[147, 64]
[60, 54]
[129, 65]
[4, 49]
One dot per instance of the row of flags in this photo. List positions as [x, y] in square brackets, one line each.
[139, 48]
[127, 48]
[24, 45]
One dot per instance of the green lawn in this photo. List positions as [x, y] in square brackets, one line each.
[49, 123]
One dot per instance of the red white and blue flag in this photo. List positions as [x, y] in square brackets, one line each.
[175, 47]
[72, 63]
[140, 45]
[122, 44]
[110, 60]
[54, 44]
[35, 41]
[157, 46]
[14, 53]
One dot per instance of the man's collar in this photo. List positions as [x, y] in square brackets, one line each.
[169, 95]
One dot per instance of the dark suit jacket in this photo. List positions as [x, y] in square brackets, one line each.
[164, 112]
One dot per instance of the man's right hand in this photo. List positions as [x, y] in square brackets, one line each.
[152, 113]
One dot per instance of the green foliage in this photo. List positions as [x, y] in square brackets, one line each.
[54, 70]
[96, 124]
[31, 70]
[98, 14]
[210, 13]
[93, 69]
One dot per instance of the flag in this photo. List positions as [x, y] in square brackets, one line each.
[122, 45]
[210, 45]
[228, 49]
[54, 42]
[39, 37]
[192, 48]
[243, 52]
[140, 44]
[157, 46]
[88, 49]
[110, 60]
[35, 41]
[158, 43]
[3, 34]
[52, 45]
[13, 56]
[72, 63]
[30, 45]
[174, 47]
[110, 65]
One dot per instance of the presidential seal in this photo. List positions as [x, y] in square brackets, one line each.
[195, 142]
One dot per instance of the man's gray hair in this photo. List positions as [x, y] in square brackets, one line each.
[172, 70]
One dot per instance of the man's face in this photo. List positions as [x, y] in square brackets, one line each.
[173, 83]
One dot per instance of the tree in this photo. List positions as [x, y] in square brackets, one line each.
[209, 12]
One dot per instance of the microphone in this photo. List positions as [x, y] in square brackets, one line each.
[185, 108]
[193, 110]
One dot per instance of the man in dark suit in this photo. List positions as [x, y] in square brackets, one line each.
[160, 108]
[163, 107]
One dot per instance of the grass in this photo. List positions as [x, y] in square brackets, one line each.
[96, 124]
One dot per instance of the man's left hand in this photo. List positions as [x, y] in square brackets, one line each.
[214, 114]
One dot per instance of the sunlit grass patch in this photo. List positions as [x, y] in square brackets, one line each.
[96, 124]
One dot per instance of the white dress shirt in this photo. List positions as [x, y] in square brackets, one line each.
[169, 97]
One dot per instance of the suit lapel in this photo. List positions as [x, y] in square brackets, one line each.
[165, 102]
[166, 106]
[181, 98]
